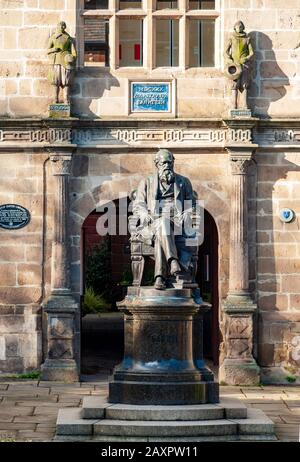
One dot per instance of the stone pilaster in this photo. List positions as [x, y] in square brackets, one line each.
[239, 367]
[60, 307]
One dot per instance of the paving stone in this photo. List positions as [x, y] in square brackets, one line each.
[165, 428]
[69, 422]
[7, 434]
[16, 410]
[54, 384]
[36, 419]
[290, 418]
[17, 426]
[46, 410]
[6, 417]
[32, 402]
[70, 391]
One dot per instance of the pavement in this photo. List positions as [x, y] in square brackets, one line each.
[28, 408]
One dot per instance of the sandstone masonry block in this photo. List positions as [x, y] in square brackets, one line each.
[10, 69]
[10, 38]
[25, 87]
[52, 4]
[29, 274]
[11, 17]
[41, 18]
[8, 274]
[33, 37]
[12, 254]
[275, 302]
[20, 295]
[21, 106]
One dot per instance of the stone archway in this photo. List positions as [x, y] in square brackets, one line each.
[207, 278]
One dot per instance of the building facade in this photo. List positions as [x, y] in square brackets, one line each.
[245, 169]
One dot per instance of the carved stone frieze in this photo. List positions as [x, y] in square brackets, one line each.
[128, 136]
[269, 137]
[52, 135]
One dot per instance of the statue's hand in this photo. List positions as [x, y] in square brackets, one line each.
[147, 219]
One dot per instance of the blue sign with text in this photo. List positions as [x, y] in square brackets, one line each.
[150, 97]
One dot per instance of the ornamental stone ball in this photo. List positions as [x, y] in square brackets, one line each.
[62, 55]
[238, 56]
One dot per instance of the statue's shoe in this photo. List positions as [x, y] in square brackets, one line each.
[175, 267]
[159, 283]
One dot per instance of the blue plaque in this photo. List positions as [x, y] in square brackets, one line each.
[150, 97]
[13, 216]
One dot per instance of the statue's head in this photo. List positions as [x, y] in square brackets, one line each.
[164, 162]
[239, 27]
[61, 26]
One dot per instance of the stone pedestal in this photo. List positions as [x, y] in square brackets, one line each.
[60, 363]
[60, 307]
[239, 366]
[158, 366]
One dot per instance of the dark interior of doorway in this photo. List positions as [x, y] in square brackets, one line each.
[102, 335]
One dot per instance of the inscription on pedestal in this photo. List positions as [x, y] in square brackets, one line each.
[240, 113]
[59, 110]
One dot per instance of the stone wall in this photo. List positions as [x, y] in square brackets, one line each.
[25, 26]
[21, 263]
[278, 264]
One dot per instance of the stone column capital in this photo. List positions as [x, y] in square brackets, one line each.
[240, 158]
[61, 164]
[61, 159]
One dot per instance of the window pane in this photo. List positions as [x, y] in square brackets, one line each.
[96, 42]
[162, 5]
[202, 43]
[131, 42]
[202, 5]
[124, 4]
[167, 42]
[95, 4]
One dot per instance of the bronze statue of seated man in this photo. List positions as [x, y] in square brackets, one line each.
[163, 205]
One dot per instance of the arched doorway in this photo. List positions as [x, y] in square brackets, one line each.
[102, 334]
[106, 273]
[207, 278]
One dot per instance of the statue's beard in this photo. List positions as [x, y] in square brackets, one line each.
[166, 176]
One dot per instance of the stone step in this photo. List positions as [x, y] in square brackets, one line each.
[164, 428]
[257, 423]
[70, 422]
[95, 407]
[184, 439]
[71, 426]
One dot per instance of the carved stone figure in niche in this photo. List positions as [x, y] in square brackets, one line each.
[62, 55]
[238, 55]
[163, 205]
